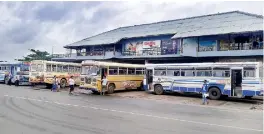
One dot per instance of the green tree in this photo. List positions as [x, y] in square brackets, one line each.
[36, 55]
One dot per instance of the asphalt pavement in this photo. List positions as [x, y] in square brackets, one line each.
[27, 111]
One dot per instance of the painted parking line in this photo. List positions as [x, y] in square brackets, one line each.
[134, 113]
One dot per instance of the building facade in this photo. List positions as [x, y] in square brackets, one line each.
[230, 36]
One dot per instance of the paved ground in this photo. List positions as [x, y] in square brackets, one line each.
[255, 103]
[27, 111]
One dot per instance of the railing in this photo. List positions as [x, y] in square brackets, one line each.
[149, 52]
[63, 55]
[234, 46]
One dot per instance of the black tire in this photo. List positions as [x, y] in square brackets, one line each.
[214, 93]
[158, 90]
[224, 96]
[111, 88]
[48, 86]
[63, 83]
[248, 97]
[17, 83]
[95, 92]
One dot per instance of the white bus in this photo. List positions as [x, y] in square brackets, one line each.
[241, 79]
[42, 72]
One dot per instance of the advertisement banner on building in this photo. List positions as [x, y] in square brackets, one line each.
[134, 47]
[170, 46]
[151, 44]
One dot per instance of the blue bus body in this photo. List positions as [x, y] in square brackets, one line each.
[230, 79]
[17, 69]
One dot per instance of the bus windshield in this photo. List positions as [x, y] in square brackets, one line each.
[24, 68]
[36, 68]
[90, 70]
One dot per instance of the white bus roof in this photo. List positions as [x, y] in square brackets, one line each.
[212, 64]
[10, 62]
[115, 64]
[55, 62]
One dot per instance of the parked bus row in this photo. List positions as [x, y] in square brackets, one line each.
[224, 79]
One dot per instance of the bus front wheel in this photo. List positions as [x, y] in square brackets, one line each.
[158, 90]
[111, 88]
[214, 93]
[63, 83]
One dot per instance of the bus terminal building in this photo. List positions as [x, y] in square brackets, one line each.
[223, 37]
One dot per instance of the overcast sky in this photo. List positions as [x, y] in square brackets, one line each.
[40, 25]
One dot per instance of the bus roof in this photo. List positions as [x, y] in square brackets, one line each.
[212, 64]
[10, 62]
[115, 64]
[55, 62]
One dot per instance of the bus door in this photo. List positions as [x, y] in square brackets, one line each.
[103, 72]
[148, 79]
[236, 81]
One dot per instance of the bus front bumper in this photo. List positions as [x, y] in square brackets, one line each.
[88, 87]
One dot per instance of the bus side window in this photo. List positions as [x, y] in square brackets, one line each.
[59, 68]
[163, 73]
[48, 68]
[53, 68]
[122, 71]
[182, 73]
[113, 71]
[188, 72]
[131, 71]
[221, 72]
[139, 71]
[249, 73]
[65, 68]
[176, 73]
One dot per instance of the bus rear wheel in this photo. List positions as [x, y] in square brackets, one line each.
[111, 88]
[158, 90]
[63, 83]
[214, 93]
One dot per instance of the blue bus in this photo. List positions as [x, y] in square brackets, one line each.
[17, 69]
[235, 79]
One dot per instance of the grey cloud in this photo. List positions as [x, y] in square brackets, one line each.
[23, 33]
[34, 21]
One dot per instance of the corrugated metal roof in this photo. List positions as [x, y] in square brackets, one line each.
[221, 23]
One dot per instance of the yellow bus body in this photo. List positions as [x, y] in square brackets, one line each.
[121, 82]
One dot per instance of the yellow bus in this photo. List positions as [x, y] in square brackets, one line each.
[42, 72]
[120, 76]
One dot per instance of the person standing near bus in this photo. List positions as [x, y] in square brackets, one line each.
[55, 84]
[71, 84]
[16, 81]
[204, 92]
[104, 85]
[10, 79]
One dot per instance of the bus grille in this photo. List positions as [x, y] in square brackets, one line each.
[87, 80]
